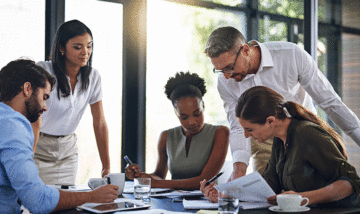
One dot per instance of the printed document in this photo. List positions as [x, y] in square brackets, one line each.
[249, 188]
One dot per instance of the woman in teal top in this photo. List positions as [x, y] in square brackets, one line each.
[193, 151]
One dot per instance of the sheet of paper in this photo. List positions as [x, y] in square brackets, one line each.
[129, 188]
[203, 204]
[207, 212]
[179, 193]
[154, 211]
[250, 188]
[253, 205]
[73, 188]
[199, 204]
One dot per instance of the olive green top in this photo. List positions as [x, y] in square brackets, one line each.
[182, 166]
[311, 160]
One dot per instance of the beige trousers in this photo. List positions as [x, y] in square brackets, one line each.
[57, 159]
[261, 153]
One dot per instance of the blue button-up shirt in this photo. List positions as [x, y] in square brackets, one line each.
[19, 176]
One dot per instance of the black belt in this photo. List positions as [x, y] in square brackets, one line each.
[53, 136]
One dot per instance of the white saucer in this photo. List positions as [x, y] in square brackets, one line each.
[277, 209]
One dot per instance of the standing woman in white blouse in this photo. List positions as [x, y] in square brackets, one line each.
[78, 85]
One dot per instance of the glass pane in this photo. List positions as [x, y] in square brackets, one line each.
[351, 13]
[351, 87]
[324, 11]
[233, 3]
[322, 58]
[22, 31]
[107, 59]
[290, 8]
[272, 30]
[180, 47]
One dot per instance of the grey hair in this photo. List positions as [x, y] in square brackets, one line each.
[222, 40]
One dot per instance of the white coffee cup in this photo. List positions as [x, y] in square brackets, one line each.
[117, 179]
[290, 202]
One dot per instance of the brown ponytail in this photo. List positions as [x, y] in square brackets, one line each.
[299, 112]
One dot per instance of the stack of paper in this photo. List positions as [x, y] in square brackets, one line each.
[199, 204]
[129, 188]
[179, 193]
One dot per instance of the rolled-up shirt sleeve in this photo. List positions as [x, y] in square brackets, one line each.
[22, 173]
[319, 88]
[239, 145]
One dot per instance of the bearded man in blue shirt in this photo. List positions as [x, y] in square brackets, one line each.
[24, 89]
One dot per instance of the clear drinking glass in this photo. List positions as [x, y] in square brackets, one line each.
[142, 189]
[227, 204]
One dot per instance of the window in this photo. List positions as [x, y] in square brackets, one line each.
[105, 21]
[272, 30]
[232, 3]
[177, 43]
[22, 30]
[290, 8]
[351, 86]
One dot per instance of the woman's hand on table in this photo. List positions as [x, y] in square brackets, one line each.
[130, 171]
[209, 191]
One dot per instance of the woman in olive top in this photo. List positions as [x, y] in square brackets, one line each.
[193, 151]
[308, 157]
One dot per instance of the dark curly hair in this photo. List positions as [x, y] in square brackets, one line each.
[184, 85]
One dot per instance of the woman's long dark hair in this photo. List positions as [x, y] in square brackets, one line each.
[67, 31]
[258, 103]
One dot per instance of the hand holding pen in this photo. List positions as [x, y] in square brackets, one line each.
[213, 178]
[208, 190]
[131, 168]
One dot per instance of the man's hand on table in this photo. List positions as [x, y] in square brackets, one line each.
[104, 194]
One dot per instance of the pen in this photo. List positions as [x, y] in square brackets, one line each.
[214, 178]
[129, 161]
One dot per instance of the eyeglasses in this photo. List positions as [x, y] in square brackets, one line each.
[231, 70]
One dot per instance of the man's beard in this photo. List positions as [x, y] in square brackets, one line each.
[33, 108]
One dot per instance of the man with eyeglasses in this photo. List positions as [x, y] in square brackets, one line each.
[281, 66]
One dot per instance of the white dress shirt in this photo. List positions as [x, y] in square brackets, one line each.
[290, 71]
[63, 116]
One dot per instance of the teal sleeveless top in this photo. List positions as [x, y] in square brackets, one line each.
[182, 167]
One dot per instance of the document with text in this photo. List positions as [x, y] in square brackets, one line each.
[249, 188]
